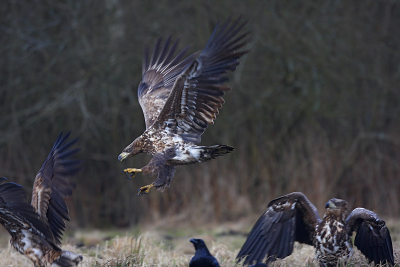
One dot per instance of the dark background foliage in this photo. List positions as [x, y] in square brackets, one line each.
[314, 106]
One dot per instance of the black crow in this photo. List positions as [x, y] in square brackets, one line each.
[202, 257]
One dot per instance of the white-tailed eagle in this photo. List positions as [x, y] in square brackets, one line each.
[293, 218]
[179, 98]
[36, 229]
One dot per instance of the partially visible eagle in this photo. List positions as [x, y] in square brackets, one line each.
[293, 218]
[36, 229]
[179, 98]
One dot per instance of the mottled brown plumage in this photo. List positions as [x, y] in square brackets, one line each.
[36, 229]
[179, 98]
[293, 218]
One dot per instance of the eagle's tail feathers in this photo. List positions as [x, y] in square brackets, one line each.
[67, 259]
[212, 152]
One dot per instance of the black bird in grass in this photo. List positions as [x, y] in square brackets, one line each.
[202, 257]
[293, 218]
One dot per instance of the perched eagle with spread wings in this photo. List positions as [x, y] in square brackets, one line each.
[179, 98]
[293, 218]
[36, 229]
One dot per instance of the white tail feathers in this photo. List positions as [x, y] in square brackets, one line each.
[205, 153]
[67, 259]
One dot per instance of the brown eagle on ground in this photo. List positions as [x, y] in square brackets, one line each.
[36, 229]
[179, 98]
[293, 218]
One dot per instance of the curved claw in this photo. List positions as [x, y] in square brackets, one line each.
[131, 172]
[145, 189]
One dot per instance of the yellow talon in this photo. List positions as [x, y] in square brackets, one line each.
[131, 172]
[145, 189]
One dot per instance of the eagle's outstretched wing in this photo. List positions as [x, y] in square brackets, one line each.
[158, 75]
[52, 184]
[16, 215]
[373, 237]
[288, 219]
[197, 94]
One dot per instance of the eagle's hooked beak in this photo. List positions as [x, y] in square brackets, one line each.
[123, 156]
[330, 204]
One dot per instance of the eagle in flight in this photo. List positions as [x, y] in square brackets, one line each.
[36, 229]
[179, 98]
[293, 218]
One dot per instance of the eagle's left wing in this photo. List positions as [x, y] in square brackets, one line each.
[52, 184]
[373, 237]
[289, 218]
[197, 94]
[18, 217]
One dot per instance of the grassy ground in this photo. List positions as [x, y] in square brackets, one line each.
[170, 246]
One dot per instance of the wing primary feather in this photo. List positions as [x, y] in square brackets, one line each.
[163, 54]
[233, 30]
[61, 148]
[170, 53]
[52, 184]
[153, 60]
[211, 39]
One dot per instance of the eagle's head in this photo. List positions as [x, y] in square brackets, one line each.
[131, 150]
[338, 207]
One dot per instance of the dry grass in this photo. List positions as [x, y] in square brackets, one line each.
[168, 247]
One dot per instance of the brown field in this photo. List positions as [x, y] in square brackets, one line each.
[170, 246]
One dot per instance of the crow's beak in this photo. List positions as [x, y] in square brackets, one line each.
[193, 240]
[123, 156]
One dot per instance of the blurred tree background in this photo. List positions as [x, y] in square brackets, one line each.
[314, 106]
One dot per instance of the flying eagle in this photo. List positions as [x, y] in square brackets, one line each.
[179, 98]
[293, 218]
[36, 229]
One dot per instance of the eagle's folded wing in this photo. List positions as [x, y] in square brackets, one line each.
[373, 237]
[288, 219]
[197, 94]
[52, 184]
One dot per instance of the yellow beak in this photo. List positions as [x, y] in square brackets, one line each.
[123, 156]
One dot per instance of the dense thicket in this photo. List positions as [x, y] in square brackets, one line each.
[314, 106]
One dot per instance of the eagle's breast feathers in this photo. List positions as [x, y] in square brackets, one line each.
[332, 243]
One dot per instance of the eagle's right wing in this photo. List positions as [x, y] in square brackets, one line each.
[158, 75]
[197, 94]
[288, 219]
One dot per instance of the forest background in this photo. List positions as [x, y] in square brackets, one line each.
[314, 106]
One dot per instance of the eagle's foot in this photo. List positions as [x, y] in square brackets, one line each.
[131, 172]
[145, 189]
